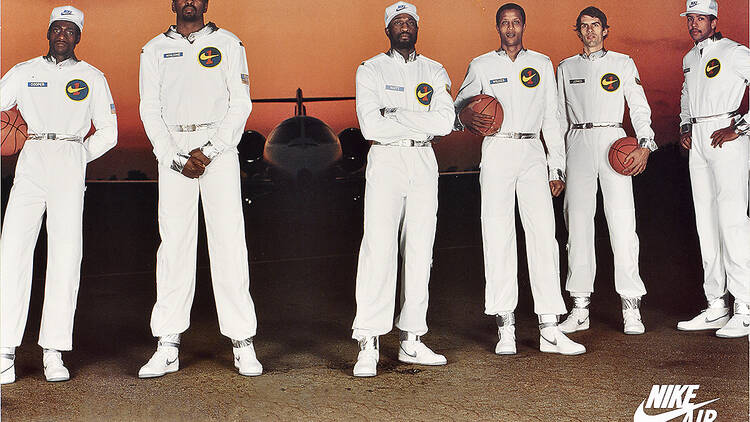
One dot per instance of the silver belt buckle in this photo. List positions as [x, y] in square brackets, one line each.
[189, 128]
[51, 136]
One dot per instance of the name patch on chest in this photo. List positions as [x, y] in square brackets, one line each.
[37, 84]
[171, 55]
[577, 81]
[394, 88]
[498, 81]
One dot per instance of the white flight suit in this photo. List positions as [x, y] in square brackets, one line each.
[716, 73]
[401, 189]
[195, 93]
[519, 167]
[58, 101]
[593, 90]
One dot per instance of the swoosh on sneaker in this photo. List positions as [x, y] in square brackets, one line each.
[581, 322]
[173, 361]
[745, 324]
[407, 353]
[641, 416]
[554, 343]
[8, 369]
[714, 320]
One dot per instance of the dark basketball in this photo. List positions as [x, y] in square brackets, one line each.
[619, 150]
[13, 132]
[489, 106]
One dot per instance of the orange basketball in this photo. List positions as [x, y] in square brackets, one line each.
[619, 150]
[13, 131]
[489, 106]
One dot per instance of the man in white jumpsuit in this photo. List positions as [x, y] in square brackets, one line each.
[514, 164]
[195, 100]
[592, 89]
[58, 96]
[403, 101]
[716, 72]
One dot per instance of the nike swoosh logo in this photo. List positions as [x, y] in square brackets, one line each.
[714, 320]
[407, 353]
[525, 79]
[421, 95]
[554, 343]
[237, 358]
[641, 416]
[746, 324]
[9, 368]
[710, 69]
[608, 82]
[581, 322]
[171, 362]
[72, 90]
[205, 57]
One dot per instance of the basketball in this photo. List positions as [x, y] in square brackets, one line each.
[619, 150]
[13, 131]
[489, 106]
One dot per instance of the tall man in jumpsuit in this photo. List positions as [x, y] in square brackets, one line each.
[716, 71]
[592, 89]
[58, 96]
[195, 100]
[403, 101]
[514, 163]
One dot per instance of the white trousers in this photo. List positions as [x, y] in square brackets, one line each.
[401, 192]
[219, 190]
[587, 160]
[510, 169]
[719, 179]
[49, 177]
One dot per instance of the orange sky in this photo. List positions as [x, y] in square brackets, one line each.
[317, 45]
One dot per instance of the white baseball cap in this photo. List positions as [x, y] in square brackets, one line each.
[702, 7]
[67, 13]
[398, 8]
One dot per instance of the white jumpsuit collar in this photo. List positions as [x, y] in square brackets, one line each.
[598, 54]
[65, 63]
[207, 29]
[392, 53]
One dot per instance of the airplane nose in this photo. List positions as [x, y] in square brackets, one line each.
[303, 142]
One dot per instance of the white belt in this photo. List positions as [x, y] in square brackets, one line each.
[721, 116]
[404, 143]
[55, 137]
[515, 135]
[591, 125]
[193, 127]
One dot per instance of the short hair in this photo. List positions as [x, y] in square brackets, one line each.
[510, 6]
[594, 12]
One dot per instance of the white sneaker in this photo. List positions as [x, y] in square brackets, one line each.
[8, 367]
[737, 326]
[367, 363]
[507, 343]
[164, 361]
[708, 319]
[54, 370]
[552, 340]
[414, 351]
[577, 320]
[246, 362]
[632, 321]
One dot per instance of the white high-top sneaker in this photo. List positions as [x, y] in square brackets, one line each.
[368, 357]
[7, 365]
[412, 350]
[578, 319]
[552, 340]
[506, 333]
[712, 318]
[631, 315]
[739, 324]
[54, 369]
[165, 360]
[244, 358]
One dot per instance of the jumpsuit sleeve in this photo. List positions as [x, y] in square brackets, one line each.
[471, 86]
[105, 122]
[374, 125]
[741, 60]
[640, 112]
[9, 89]
[684, 104]
[551, 126]
[562, 109]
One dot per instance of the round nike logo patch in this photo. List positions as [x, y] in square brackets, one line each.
[209, 57]
[77, 90]
[530, 77]
[713, 67]
[610, 82]
[424, 93]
